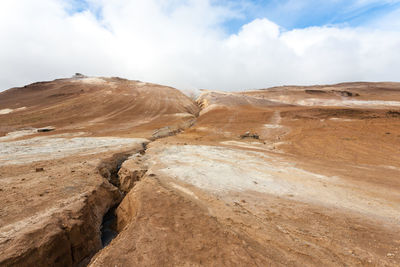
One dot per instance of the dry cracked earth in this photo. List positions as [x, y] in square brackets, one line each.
[112, 172]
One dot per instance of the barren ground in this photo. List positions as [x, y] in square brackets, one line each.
[315, 181]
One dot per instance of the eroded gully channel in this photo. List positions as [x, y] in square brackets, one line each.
[124, 178]
[110, 170]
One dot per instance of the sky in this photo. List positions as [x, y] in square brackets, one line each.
[201, 44]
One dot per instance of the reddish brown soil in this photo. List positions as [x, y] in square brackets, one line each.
[55, 197]
[197, 198]
[103, 107]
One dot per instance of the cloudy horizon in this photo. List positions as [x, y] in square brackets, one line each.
[201, 44]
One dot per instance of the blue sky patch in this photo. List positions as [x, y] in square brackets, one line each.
[289, 14]
[76, 6]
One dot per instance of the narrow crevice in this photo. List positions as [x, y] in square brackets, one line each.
[110, 170]
[109, 226]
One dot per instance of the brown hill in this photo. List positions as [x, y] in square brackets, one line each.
[100, 106]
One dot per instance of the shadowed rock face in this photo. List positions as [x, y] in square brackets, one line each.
[131, 171]
[318, 186]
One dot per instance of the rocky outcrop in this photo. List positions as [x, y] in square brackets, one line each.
[109, 168]
[249, 135]
[68, 238]
[131, 171]
[173, 130]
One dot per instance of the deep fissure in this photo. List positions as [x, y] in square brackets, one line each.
[109, 169]
[109, 227]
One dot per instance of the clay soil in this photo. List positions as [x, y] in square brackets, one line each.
[285, 176]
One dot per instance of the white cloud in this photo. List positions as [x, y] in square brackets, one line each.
[183, 44]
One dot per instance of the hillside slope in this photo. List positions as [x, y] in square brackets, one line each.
[62, 143]
[100, 106]
[285, 176]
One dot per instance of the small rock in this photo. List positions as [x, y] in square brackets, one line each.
[46, 129]
[390, 255]
[39, 169]
[79, 76]
[250, 135]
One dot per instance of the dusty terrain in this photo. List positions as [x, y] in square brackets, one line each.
[285, 176]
